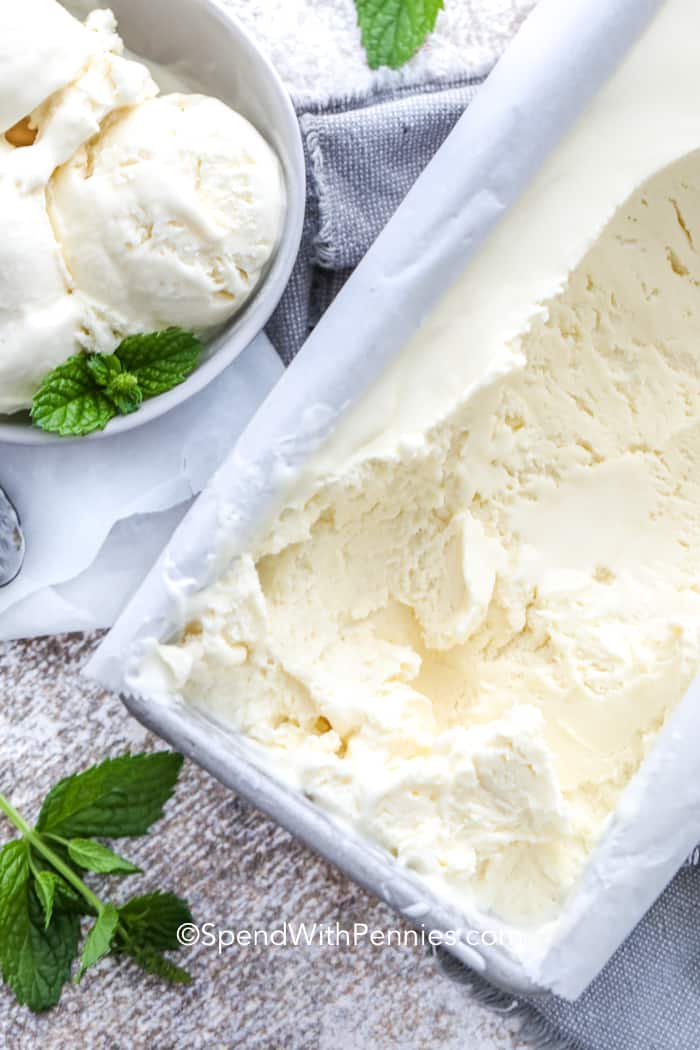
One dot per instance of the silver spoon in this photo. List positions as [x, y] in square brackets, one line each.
[12, 546]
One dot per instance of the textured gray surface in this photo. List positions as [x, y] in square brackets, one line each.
[238, 871]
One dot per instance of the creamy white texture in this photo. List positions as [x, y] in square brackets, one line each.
[73, 116]
[127, 213]
[42, 48]
[169, 216]
[39, 319]
[42, 316]
[464, 629]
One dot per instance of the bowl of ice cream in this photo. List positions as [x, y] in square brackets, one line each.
[152, 184]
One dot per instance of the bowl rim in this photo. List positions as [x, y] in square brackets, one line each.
[258, 311]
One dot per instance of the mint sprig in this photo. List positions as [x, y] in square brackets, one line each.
[84, 393]
[43, 893]
[393, 30]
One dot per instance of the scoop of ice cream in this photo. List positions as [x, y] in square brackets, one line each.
[39, 317]
[169, 216]
[42, 48]
[73, 115]
[119, 212]
[59, 80]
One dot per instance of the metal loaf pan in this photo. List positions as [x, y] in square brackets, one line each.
[546, 79]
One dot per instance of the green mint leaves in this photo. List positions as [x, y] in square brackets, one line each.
[148, 927]
[43, 894]
[160, 361]
[121, 387]
[393, 30]
[92, 856]
[35, 956]
[120, 798]
[69, 402]
[100, 938]
[88, 390]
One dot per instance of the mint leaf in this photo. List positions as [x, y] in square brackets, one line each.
[88, 390]
[393, 30]
[148, 927]
[54, 892]
[160, 361]
[152, 962]
[120, 387]
[14, 872]
[154, 919]
[45, 887]
[92, 856]
[103, 368]
[121, 797]
[70, 901]
[142, 929]
[126, 393]
[69, 402]
[65, 896]
[14, 880]
[99, 939]
[35, 957]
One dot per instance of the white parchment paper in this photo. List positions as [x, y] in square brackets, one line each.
[80, 567]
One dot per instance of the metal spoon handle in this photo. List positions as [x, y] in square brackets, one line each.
[12, 545]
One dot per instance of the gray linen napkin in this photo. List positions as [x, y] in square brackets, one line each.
[363, 155]
[362, 158]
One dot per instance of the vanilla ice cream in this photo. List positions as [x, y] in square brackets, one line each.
[42, 48]
[169, 216]
[39, 318]
[120, 212]
[109, 84]
[469, 618]
[43, 317]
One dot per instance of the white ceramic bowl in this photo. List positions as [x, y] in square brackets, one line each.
[212, 51]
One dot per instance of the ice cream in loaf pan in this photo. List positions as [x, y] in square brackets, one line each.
[465, 627]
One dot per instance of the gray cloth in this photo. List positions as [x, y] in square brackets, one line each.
[362, 159]
[363, 156]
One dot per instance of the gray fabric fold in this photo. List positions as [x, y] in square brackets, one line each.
[363, 156]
